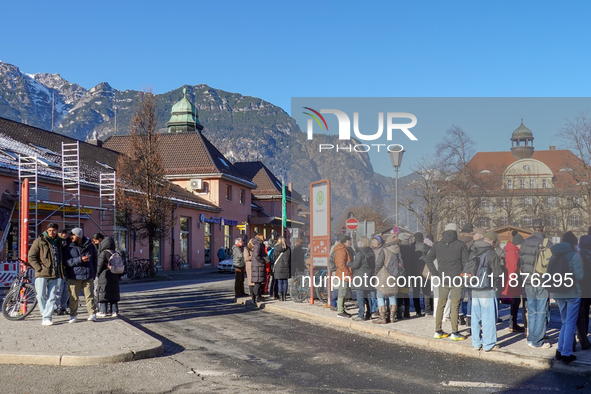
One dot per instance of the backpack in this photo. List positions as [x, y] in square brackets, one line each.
[270, 255]
[481, 271]
[395, 267]
[116, 264]
[586, 262]
[542, 258]
[332, 265]
[559, 265]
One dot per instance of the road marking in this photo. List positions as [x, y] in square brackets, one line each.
[455, 383]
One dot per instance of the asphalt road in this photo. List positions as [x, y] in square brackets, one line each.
[215, 345]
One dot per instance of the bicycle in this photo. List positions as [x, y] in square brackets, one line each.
[299, 293]
[21, 298]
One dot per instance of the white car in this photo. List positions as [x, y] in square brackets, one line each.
[226, 265]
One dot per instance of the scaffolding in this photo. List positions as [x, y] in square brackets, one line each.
[28, 169]
[107, 194]
[70, 184]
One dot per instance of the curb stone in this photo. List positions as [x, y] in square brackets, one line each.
[435, 344]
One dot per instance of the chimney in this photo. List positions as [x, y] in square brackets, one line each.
[289, 186]
[552, 147]
[96, 142]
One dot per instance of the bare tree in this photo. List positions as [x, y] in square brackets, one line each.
[144, 191]
[422, 198]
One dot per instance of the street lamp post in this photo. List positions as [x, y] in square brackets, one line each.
[396, 159]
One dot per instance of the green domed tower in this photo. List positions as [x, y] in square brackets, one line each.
[522, 142]
[184, 116]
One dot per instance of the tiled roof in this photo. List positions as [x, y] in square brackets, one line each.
[556, 160]
[17, 137]
[267, 183]
[184, 153]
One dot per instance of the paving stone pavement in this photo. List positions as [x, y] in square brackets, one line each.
[419, 331]
[108, 340]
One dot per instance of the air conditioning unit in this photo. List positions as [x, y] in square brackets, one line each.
[196, 184]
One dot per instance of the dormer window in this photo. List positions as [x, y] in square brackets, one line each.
[527, 167]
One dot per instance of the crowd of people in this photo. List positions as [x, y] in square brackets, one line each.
[465, 275]
[66, 264]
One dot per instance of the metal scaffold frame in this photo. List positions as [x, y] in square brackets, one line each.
[71, 183]
[28, 169]
[108, 192]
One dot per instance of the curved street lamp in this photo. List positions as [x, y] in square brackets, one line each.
[396, 159]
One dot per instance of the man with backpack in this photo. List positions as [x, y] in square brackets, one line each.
[484, 262]
[451, 255]
[535, 254]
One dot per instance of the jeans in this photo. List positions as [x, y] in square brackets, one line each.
[282, 286]
[537, 309]
[381, 298]
[46, 295]
[363, 302]
[344, 286]
[373, 302]
[63, 295]
[87, 286]
[334, 296]
[484, 315]
[569, 311]
[113, 307]
[455, 296]
[466, 306]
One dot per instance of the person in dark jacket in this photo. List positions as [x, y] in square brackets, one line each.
[81, 267]
[583, 319]
[108, 283]
[568, 302]
[421, 250]
[282, 266]
[451, 255]
[511, 290]
[45, 257]
[363, 265]
[259, 262]
[537, 296]
[239, 267]
[484, 300]
[297, 257]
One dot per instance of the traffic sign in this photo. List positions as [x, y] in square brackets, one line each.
[344, 230]
[352, 223]
[395, 230]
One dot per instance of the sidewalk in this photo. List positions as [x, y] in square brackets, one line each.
[105, 341]
[176, 275]
[419, 332]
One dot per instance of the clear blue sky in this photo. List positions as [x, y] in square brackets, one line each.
[278, 50]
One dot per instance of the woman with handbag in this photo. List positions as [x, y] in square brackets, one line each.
[282, 266]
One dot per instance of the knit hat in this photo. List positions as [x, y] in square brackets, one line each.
[491, 235]
[419, 237]
[451, 226]
[517, 239]
[344, 238]
[467, 228]
[380, 239]
[429, 237]
[78, 232]
[570, 238]
[480, 230]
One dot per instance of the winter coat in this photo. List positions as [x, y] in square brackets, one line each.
[258, 267]
[108, 282]
[297, 260]
[421, 250]
[364, 266]
[529, 250]
[409, 258]
[575, 267]
[381, 271]
[512, 267]
[238, 256]
[76, 269]
[282, 266]
[451, 255]
[494, 261]
[467, 238]
[342, 256]
[221, 254]
[248, 265]
[42, 257]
